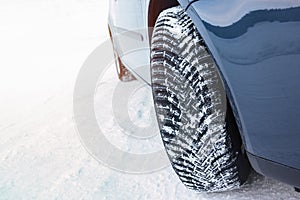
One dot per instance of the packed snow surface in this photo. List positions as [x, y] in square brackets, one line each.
[43, 45]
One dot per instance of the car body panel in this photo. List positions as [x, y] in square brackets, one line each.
[129, 29]
[256, 45]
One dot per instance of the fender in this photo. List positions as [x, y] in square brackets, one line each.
[256, 45]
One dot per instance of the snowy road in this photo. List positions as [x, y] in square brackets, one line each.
[43, 44]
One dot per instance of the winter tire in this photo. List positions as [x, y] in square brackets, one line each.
[196, 123]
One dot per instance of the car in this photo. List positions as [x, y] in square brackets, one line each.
[225, 78]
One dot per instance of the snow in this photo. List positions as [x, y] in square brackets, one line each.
[43, 45]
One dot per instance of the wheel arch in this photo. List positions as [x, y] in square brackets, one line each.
[157, 6]
[154, 9]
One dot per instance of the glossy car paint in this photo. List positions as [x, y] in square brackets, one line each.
[256, 44]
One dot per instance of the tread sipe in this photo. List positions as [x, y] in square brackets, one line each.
[190, 104]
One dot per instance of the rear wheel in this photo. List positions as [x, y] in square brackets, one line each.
[196, 123]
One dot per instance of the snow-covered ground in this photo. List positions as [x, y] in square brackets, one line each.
[43, 44]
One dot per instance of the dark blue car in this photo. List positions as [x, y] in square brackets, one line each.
[225, 77]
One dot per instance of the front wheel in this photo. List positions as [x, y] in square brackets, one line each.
[196, 124]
